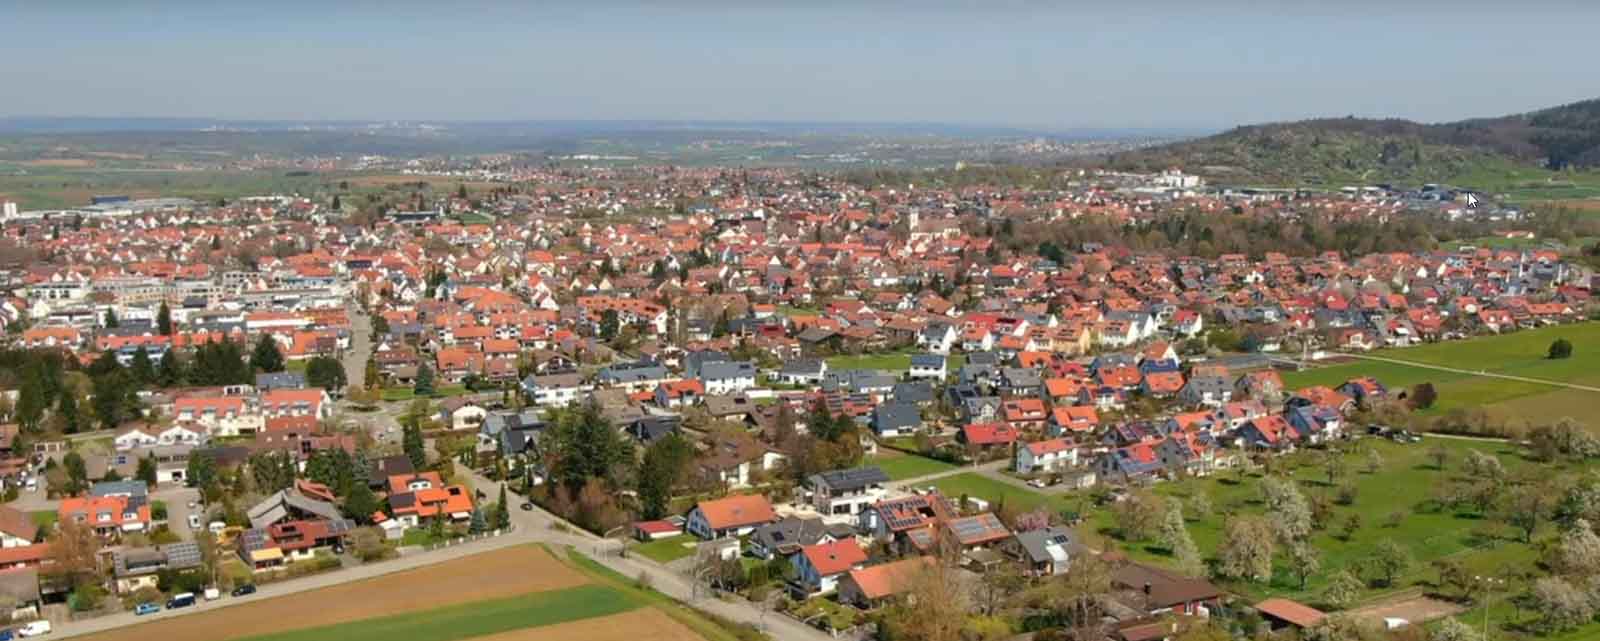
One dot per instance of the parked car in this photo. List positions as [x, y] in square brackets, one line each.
[194, 521]
[527, 506]
[180, 600]
[1038, 483]
[7, 635]
[34, 629]
[213, 594]
[242, 590]
[146, 608]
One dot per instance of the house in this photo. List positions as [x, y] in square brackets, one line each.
[1043, 552]
[312, 402]
[1024, 413]
[462, 413]
[976, 531]
[785, 537]
[1073, 419]
[1315, 424]
[846, 492]
[896, 419]
[937, 338]
[988, 435]
[1268, 433]
[871, 586]
[1046, 456]
[1130, 463]
[735, 515]
[818, 568]
[108, 516]
[133, 569]
[136, 437]
[682, 393]
[1209, 390]
[420, 497]
[17, 528]
[728, 377]
[554, 390]
[1365, 390]
[1158, 591]
[802, 372]
[296, 503]
[634, 377]
[927, 366]
[656, 530]
[1161, 384]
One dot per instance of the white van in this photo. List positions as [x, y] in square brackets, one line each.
[34, 629]
[33, 484]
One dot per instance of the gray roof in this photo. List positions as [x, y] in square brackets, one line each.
[115, 488]
[727, 370]
[913, 393]
[1037, 543]
[928, 361]
[693, 361]
[278, 507]
[896, 416]
[280, 380]
[495, 422]
[625, 373]
[852, 479]
[786, 536]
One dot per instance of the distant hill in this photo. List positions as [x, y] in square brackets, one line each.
[1347, 150]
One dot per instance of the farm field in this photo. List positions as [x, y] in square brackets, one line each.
[492, 575]
[1517, 354]
[475, 619]
[900, 466]
[627, 626]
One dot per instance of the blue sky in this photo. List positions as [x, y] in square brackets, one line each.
[1046, 65]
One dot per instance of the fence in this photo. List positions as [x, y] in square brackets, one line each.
[470, 538]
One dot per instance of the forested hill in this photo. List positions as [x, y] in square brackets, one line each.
[1354, 150]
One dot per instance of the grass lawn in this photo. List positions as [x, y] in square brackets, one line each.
[668, 549]
[45, 519]
[406, 393]
[897, 362]
[1518, 354]
[419, 536]
[474, 619]
[976, 485]
[1403, 485]
[900, 466]
[839, 616]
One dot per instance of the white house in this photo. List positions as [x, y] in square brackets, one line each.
[727, 377]
[927, 366]
[1048, 456]
[736, 515]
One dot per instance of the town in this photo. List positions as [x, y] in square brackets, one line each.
[848, 409]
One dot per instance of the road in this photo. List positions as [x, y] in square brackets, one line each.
[533, 526]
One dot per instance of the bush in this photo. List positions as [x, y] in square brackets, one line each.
[87, 597]
[1561, 348]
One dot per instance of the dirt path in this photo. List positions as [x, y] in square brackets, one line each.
[1482, 373]
[1414, 608]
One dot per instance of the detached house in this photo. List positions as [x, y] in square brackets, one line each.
[736, 515]
[1046, 456]
[818, 568]
[846, 492]
[1207, 390]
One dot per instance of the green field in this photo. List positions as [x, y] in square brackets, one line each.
[668, 549]
[406, 393]
[979, 486]
[901, 466]
[897, 362]
[1517, 354]
[474, 619]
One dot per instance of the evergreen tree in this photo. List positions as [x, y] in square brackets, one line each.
[147, 470]
[77, 473]
[142, 370]
[113, 397]
[327, 373]
[67, 414]
[659, 473]
[111, 321]
[502, 513]
[413, 445]
[360, 504]
[608, 325]
[337, 206]
[104, 364]
[169, 372]
[31, 399]
[478, 524]
[424, 384]
[266, 357]
[164, 320]
[371, 373]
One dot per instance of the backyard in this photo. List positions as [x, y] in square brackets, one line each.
[901, 466]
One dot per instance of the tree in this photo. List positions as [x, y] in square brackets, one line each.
[1138, 516]
[169, 372]
[359, 503]
[934, 609]
[201, 471]
[1561, 348]
[412, 443]
[1560, 605]
[1388, 560]
[32, 399]
[1187, 555]
[327, 373]
[1200, 506]
[266, 357]
[77, 474]
[1374, 461]
[1292, 515]
[1342, 590]
[75, 552]
[502, 510]
[663, 467]
[1578, 553]
[608, 325]
[1440, 455]
[1172, 526]
[1245, 551]
[1304, 560]
[147, 470]
[67, 414]
[113, 396]
[1422, 396]
[1352, 524]
[424, 384]
[141, 368]
[1452, 630]
[111, 321]
[477, 524]
[1526, 507]
[585, 446]
[164, 320]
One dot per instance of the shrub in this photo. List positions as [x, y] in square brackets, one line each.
[1561, 348]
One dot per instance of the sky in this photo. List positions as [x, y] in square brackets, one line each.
[1051, 66]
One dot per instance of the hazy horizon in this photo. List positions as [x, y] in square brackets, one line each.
[1158, 66]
